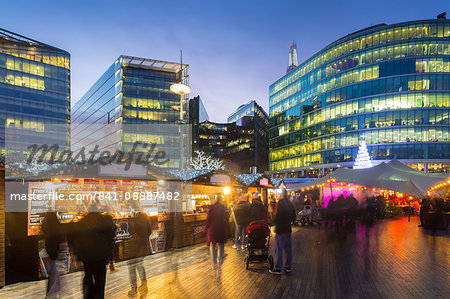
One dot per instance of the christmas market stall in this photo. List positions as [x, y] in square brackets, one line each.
[120, 195]
[396, 182]
[437, 206]
[202, 186]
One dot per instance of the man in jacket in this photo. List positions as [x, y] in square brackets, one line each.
[241, 215]
[94, 246]
[285, 215]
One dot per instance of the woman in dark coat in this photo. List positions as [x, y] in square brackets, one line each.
[53, 238]
[257, 210]
[217, 226]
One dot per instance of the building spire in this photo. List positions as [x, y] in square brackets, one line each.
[293, 57]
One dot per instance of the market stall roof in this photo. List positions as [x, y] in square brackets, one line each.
[276, 182]
[205, 176]
[299, 186]
[249, 178]
[187, 174]
[394, 176]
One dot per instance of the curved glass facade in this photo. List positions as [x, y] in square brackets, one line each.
[388, 82]
[34, 93]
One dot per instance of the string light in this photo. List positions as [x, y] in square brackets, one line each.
[188, 174]
[249, 178]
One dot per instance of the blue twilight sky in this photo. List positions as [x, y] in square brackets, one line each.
[235, 49]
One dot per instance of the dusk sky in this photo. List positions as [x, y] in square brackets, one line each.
[235, 49]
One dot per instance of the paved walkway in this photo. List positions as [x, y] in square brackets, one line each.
[391, 259]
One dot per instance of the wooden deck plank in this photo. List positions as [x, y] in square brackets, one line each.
[391, 259]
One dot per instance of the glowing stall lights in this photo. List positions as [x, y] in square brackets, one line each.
[226, 190]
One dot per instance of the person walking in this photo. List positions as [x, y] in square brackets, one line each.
[115, 253]
[217, 229]
[53, 237]
[141, 229]
[284, 217]
[271, 209]
[241, 215]
[94, 248]
[423, 209]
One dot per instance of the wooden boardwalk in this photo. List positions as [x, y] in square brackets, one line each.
[391, 259]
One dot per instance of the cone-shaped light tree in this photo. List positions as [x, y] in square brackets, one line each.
[362, 159]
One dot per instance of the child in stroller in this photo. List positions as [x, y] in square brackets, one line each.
[258, 234]
[308, 215]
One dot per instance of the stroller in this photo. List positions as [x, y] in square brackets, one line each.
[308, 216]
[258, 234]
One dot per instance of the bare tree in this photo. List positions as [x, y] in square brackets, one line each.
[201, 160]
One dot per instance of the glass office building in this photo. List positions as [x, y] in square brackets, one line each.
[132, 102]
[34, 93]
[197, 115]
[253, 115]
[233, 143]
[242, 142]
[390, 83]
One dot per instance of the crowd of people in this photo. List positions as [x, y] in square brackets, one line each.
[92, 240]
[345, 210]
[243, 212]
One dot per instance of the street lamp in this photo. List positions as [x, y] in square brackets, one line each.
[181, 89]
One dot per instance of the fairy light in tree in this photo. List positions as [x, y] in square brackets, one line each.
[362, 159]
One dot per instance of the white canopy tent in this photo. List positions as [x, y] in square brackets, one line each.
[394, 176]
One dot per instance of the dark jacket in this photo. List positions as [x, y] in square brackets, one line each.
[284, 217]
[94, 237]
[242, 212]
[257, 211]
[53, 235]
[217, 224]
[141, 230]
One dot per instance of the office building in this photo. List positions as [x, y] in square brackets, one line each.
[388, 83]
[242, 142]
[253, 116]
[34, 93]
[230, 142]
[132, 102]
[197, 115]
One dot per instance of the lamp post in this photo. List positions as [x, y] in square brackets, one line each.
[181, 89]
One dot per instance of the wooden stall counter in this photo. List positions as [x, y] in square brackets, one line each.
[189, 229]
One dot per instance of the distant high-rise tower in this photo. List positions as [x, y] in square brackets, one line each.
[293, 57]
